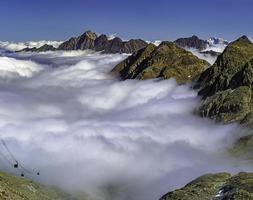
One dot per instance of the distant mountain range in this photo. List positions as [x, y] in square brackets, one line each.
[213, 46]
[90, 40]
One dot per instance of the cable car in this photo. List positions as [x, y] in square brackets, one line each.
[15, 165]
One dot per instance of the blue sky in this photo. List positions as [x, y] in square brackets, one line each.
[23, 20]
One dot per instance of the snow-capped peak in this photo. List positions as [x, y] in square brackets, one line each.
[216, 40]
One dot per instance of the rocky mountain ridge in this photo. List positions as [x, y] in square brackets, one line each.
[90, 40]
[165, 61]
[226, 86]
[106, 44]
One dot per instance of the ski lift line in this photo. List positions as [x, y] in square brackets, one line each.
[9, 162]
[16, 164]
[6, 159]
[4, 144]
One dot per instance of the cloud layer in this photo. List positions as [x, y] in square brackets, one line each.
[86, 131]
[16, 46]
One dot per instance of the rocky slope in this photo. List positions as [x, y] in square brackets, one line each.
[90, 40]
[221, 186]
[165, 61]
[226, 86]
[226, 89]
[12, 187]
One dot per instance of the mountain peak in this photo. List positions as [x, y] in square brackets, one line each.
[164, 61]
[90, 34]
[90, 40]
[244, 38]
[192, 42]
[194, 37]
[167, 43]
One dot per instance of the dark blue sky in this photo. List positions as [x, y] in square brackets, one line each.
[23, 20]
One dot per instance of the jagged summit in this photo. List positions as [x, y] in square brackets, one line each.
[90, 34]
[244, 38]
[192, 42]
[90, 40]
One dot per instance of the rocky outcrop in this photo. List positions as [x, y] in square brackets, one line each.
[85, 41]
[226, 87]
[165, 61]
[192, 42]
[221, 186]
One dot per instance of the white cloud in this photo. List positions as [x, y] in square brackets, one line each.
[217, 48]
[16, 46]
[209, 58]
[13, 68]
[86, 131]
[112, 36]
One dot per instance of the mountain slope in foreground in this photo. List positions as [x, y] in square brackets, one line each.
[12, 187]
[227, 85]
[220, 186]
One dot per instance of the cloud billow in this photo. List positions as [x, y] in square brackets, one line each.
[87, 131]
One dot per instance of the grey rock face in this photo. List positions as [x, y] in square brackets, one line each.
[192, 42]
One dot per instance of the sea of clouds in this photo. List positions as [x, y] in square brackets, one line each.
[17, 46]
[64, 115]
